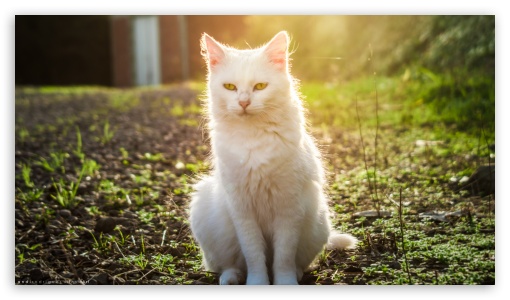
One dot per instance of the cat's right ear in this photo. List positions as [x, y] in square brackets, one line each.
[212, 51]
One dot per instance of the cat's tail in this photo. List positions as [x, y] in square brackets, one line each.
[339, 240]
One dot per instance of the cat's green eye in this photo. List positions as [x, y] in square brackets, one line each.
[260, 86]
[230, 86]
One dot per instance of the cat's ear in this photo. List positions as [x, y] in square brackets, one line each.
[277, 48]
[212, 51]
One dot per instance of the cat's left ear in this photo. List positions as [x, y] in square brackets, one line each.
[277, 48]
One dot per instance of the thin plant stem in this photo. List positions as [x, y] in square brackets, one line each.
[364, 152]
[402, 236]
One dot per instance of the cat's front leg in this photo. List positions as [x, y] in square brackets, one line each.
[285, 242]
[253, 247]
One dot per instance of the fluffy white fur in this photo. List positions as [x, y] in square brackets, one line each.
[262, 213]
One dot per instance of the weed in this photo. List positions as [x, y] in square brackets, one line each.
[90, 167]
[45, 215]
[139, 199]
[66, 192]
[23, 135]
[125, 156]
[79, 146]
[154, 157]
[123, 239]
[112, 191]
[122, 101]
[163, 263]
[177, 110]
[185, 188]
[25, 174]
[55, 162]
[31, 195]
[23, 248]
[93, 210]
[404, 252]
[145, 216]
[107, 135]
[101, 244]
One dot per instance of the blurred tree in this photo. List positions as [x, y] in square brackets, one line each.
[466, 42]
[343, 47]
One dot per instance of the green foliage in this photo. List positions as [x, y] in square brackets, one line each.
[145, 216]
[66, 192]
[335, 48]
[154, 157]
[469, 259]
[107, 135]
[90, 167]
[112, 191]
[55, 162]
[30, 195]
[418, 98]
[79, 146]
[25, 174]
[467, 102]
[469, 42]
[23, 135]
[123, 101]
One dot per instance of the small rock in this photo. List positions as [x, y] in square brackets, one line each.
[423, 143]
[394, 265]
[55, 223]
[434, 215]
[101, 279]
[482, 181]
[107, 224]
[65, 213]
[19, 224]
[129, 215]
[38, 275]
[464, 179]
[372, 213]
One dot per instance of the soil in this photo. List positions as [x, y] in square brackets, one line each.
[74, 245]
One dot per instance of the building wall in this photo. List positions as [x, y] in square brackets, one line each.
[98, 50]
[171, 68]
[122, 51]
[62, 50]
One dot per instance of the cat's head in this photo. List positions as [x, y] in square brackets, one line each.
[247, 82]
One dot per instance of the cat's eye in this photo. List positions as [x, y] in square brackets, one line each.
[230, 86]
[260, 86]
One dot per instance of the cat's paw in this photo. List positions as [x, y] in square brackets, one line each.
[230, 277]
[257, 279]
[286, 279]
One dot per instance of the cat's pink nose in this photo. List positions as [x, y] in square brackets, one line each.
[244, 104]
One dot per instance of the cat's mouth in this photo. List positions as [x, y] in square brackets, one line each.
[244, 113]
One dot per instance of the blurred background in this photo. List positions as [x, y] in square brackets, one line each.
[125, 51]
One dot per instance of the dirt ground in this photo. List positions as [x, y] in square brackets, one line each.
[129, 225]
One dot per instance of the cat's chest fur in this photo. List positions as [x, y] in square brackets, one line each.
[257, 163]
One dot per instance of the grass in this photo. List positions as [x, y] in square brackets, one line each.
[107, 135]
[54, 163]
[424, 108]
[411, 178]
[66, 192]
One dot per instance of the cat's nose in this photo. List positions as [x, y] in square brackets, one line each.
[244, 104]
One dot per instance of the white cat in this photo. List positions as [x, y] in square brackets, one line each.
[262, 211]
